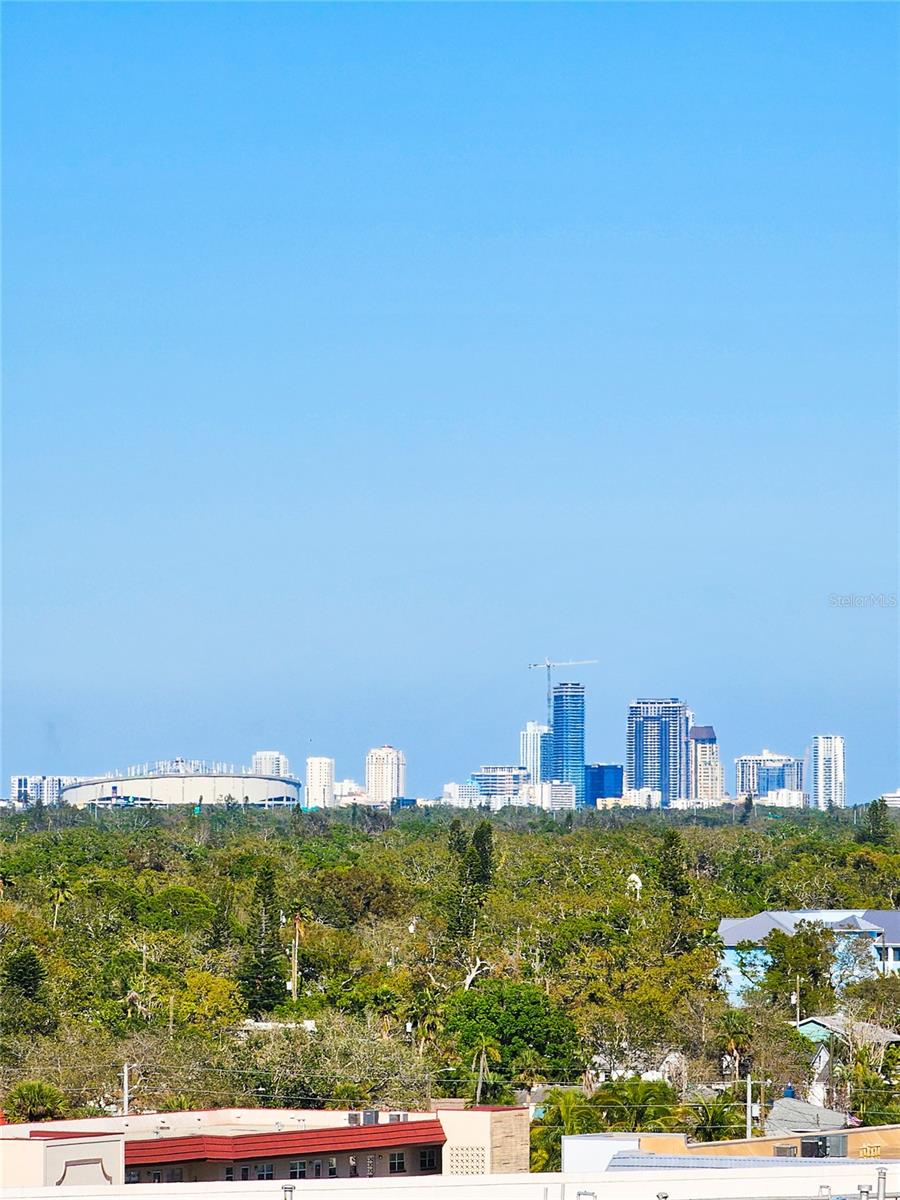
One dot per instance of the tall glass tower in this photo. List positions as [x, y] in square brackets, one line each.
[568, 737]
[657, 747]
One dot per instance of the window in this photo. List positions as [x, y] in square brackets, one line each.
[245, 1172]
[265, 1171]
[354, 1169]
[229, 1175]
[174, 1175]
[428, 1159]
[132, 1176]
[332, 1168]
[297, 1170]
[317, 1169]
[396, 1162]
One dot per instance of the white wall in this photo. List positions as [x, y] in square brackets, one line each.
[700, 1184]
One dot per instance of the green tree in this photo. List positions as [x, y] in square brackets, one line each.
[34, 1100]
[519, 1019]
[806, 958]
[23, 974]
[877, 828]
[714, 1119]
[261, 973]
[565, 1111]
[636, 1104]
[483, 846]
[672, 866]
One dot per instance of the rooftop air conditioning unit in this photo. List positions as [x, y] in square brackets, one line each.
[370, 1116]
[354, 1118]
[394, 1117]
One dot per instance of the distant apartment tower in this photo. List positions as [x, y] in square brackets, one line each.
[499, 780]
[657, 748]
[270, 762]
[603, 781]
[568, 737]
[536, 751]
[759, 774]
[29, 789]
[827, 765]
[706, 774]
[320, 782]
[385, 775]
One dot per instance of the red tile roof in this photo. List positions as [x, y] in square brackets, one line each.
[230, 1147]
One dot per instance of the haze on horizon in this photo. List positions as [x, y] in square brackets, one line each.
[358, 356]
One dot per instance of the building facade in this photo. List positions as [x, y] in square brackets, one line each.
[759, 774]
[498, 780]
[707, 779]
[385, 775]
[603, 781]
[536, 751]
[827, 770]
[270, 762]
[568, 737]
[320, 782]
[46, 789]
[657, 748]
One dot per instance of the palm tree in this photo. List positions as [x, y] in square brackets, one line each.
[637, 1104]
[714, 1120]
[735, 1037]
[34, 1100]
[487, 1051]
[566, 1111]
[59, 893]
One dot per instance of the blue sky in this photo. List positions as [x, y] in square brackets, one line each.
[357, 356]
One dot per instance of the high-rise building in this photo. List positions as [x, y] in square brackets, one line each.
[827, 762]
[657, 748]
[320, 782]
[536, 751]
[270, 762]
[568, 737]
[499, 780]
[603, 781]
[29, 789]
[385, 774]
[759, 774]
[706, 774]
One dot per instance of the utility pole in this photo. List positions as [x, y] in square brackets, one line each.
[295, 949]
[749, 1106]
[126, 1090]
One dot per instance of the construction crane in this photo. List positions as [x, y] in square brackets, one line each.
[548, 665]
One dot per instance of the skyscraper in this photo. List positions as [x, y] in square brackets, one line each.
[602, 781]
[706, 774]
[320, 782]
[827, 789]
[568, 737]
[536, 751]
[657, 748]
[759, 774]
[270, 762]
[385, 775]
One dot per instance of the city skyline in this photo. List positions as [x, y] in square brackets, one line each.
[298, 379]
[665, 752]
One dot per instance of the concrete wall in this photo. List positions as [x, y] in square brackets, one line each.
[183, 789]
[61, 1161]
[762, 1183]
